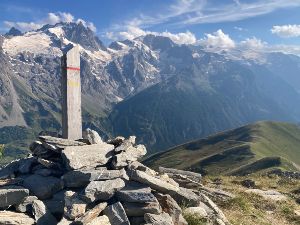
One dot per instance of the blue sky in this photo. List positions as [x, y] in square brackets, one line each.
[229, 22]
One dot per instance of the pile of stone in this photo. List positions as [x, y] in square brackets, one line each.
[93, 182]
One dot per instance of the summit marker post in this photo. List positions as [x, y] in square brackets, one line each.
[71, 94]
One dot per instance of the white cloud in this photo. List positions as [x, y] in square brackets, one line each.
[253, 43]
[181, 38]
[253, 47]
[288, 49]
[51, 18]
[66, 17]
[217, 40]
[286, 31]
[133, 32]
[23, 26]
[87, 24]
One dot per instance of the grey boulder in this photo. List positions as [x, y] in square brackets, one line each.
[136, 192]
[170, 206]
[43, 187]
[185, 197]
[74, 207]
[12, 195]
[81, 178]
[59, 143]
[26, 204]
[161, 219]
[88, 156]
[56, 203]
[41, 214]
[92, 136]
[116, 214]
[139, 209]
[131, 154]
[153, 182]
[102, 190]
[90, 215]
[13, 218]
[26, 165]
[37, 148]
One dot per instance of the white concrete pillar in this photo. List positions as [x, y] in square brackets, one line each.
[71, 95]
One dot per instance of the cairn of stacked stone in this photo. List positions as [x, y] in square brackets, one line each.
[92, 182]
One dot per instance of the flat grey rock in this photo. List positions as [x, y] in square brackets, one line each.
[13, 218]
[37, 148]
[60, 142]
[88, 156]
[41, 214]
[26, 204]
[9, 170]
[129, 155]
[153, 182]
[11, 181]
[213, 208]
[56, 207]
[196, 177]
[137, 220]
[74, 207]
[27, 164]
[139, 166]
[170, 206]
[125, 144]
[100, 220]
[116, 214]
[161, 219]
[117, 141]
[81, 178]
[102, 190]
[45, 172]
[92, 136]
[12, 195]
[185, 196]
[139, 209]
[135, 192]
[90, 215]
[269, 194]
[49, 164]
[43, 187]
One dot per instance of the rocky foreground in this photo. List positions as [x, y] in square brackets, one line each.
[94, 182]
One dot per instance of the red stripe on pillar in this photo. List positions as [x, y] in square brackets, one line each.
[73, 68]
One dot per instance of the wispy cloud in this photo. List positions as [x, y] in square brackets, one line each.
[237, 11]
[240, 28]
[286, 31]
[51, 18]
[189, 12]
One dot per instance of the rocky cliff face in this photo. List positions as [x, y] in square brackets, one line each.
[108, 76]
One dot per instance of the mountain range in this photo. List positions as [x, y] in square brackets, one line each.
[151, 87]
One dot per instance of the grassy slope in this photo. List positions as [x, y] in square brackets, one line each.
[251, 209]
[252, 147]
[15, 141]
